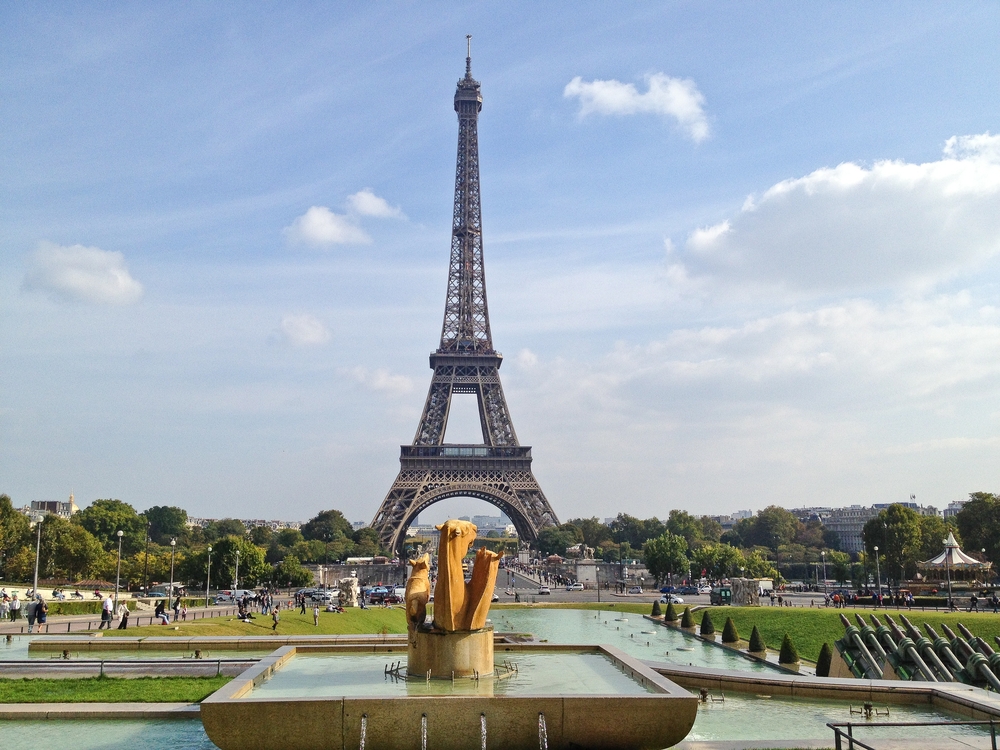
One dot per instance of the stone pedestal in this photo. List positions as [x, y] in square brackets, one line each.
[461, 653]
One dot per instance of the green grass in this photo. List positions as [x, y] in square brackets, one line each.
[353, 621]
[110, 690]
[810, 628]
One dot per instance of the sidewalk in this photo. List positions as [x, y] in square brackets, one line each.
[58, 624]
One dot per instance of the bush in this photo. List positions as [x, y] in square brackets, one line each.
[656, 609]
[825, 661]
[729, 632]
[707, 626]
[671, 615]
[687, 620]
[788, 653]
[756, 642]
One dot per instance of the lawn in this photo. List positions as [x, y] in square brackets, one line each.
[353, 621]
[110, 690]
[809, 628]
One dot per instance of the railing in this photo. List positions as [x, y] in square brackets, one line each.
[464, 451]
[852, 742]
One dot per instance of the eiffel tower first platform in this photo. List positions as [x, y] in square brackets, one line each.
[499, 469]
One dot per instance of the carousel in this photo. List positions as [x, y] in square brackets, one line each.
[956, 564]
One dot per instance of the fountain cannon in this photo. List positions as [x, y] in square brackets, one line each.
[870, 667]
[906, 647]
[927, 649]
[943, 649]
[982, 647]
[868, 633]
[976, 664]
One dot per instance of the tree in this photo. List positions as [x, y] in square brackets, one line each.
[289, 537]
[13, 532]
[105, 518]
[772, 527]
[366, 542]
[840, 563]
[261, 536]
[635, 531]
[717, 560]
[166, 522]
[711, 530]
[253, 568]
[224, 527]
[682, 523]
[595, 532]
[290, 573]
[327, 525]
[933, 531]
[896, 532]
[665, 555]
[755, 565]
[979, 524]
[554, 540]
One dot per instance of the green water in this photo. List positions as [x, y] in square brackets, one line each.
[176, 734]
[328, 676]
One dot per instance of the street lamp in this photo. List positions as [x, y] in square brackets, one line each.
[38, 551]
[823, 555]
[118, 571]
[170, 591]
[145, 570]
[208, 578]
[947, 567]
[236, 578]
[878, 579]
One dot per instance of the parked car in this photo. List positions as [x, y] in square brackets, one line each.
[496, 597]
[543, 590]
[705, 589]
[667, 590]
[687, 590]
[325, 596]
[575, 587]
[635, 589]
[671, 599]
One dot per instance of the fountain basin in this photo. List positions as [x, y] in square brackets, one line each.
[630, 706]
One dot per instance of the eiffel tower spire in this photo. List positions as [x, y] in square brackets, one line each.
[498, 470]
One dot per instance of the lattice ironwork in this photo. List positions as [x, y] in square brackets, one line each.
[499, 469]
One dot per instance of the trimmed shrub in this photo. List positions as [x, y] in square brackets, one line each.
[707, 626]
[788, 653]
[656, 609]
[687, 619]
[825, 661]
[671, 615]
[756, 642]
[729, 632]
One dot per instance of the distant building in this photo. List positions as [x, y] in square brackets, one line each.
[53, 507]
[250, 523]
[848, 523]
[954, 507]
[359, 525]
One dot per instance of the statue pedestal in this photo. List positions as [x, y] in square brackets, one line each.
[443, 654]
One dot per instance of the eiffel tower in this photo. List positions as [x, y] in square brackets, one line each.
[498, 470]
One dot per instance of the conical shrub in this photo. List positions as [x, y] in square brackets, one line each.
[825, 661]
[671, 615]
[707, 626]
[656, 609]
[729, 632]
[687, 620]
[756, 642]
[788, 655]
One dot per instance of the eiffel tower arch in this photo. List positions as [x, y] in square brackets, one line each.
[498, 470]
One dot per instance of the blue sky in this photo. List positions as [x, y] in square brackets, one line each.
[737, 253]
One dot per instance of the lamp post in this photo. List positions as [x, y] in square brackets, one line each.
[208, 578]
[947, 567]
[145, 571]
[236, 578]
[170, 591]
[823, 555]
[118, 571]
[39, 519]
[878, 579]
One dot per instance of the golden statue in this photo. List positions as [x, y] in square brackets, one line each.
[418, 591]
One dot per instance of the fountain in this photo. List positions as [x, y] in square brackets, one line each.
[450, 693]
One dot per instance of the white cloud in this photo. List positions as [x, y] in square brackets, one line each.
[856, 227]
[383, 380]
[81, 274]
[319, 226]
[678, 98]
[526, 359]
[366, 203]
[304, 330]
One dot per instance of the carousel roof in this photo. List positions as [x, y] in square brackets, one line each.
[953, 557]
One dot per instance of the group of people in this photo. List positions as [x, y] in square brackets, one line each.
[34, 608]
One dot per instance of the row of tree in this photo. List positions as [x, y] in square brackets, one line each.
[87, 547]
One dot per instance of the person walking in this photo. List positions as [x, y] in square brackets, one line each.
[177, 607]
[107, 611]
[29, 612]
[276, 618]
[123, 614]
[316, 615]
[303, 600]
[41, 612]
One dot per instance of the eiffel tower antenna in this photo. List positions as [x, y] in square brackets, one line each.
[498, 470]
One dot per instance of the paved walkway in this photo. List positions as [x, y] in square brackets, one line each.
[32, 711]
[77, 623]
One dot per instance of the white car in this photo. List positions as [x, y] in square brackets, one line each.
[671, 599]
[635, 590]
[575, 587]
[704, 589]
[542, 590]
